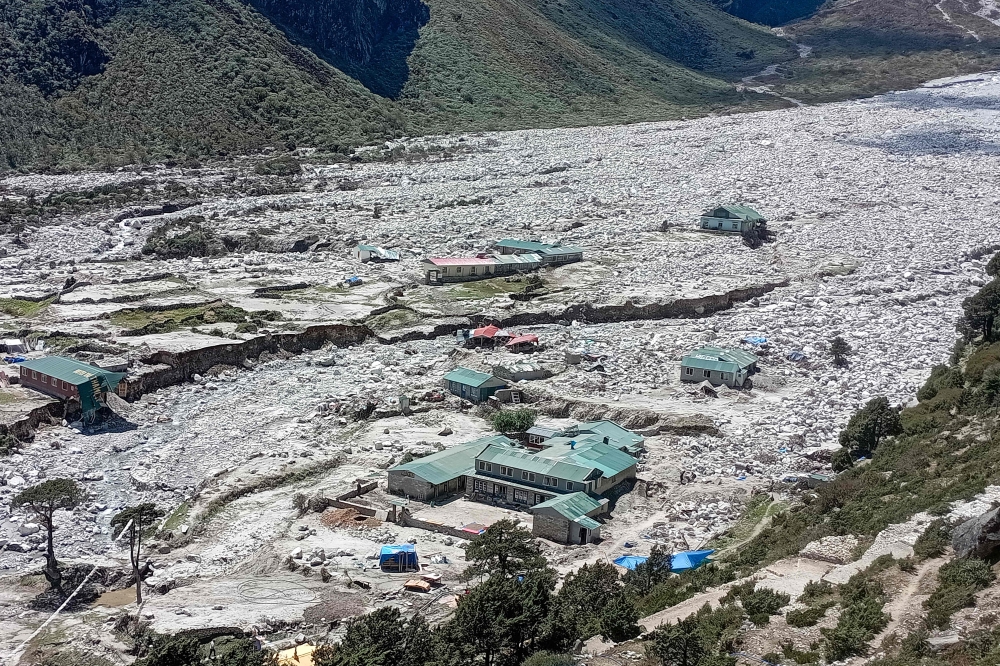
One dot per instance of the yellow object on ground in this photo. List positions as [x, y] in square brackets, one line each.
[300, 655]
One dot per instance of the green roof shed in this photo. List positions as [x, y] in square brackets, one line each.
[472, 385]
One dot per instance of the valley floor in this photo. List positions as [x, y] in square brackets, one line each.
[883, 211]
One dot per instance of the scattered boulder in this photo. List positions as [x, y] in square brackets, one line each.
[979, 537]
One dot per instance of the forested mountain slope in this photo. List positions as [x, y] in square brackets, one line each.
[113, 80]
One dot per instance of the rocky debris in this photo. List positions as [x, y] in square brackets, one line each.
[835, 549]
[979, 537]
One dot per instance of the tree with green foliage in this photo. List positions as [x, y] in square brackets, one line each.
[514, 421]
[678, 644]
[499, 622]
[980, 312]
[840, 350]
[645, 576]
[243, 652]
[591, 602]
[619, 619]
[993, 266]
[135, 520]
[841, 460]
[43, 501]
[381, 638]
[505, 549]
[869, 426]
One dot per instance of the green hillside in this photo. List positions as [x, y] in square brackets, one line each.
[111, 81]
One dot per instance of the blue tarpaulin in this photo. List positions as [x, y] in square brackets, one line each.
[755, 340]
[690, 559]
[398, 558]
[630, 562]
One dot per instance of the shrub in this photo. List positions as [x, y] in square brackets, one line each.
[816, 589]
[807, 617]
[286, 165]
[841, 460]
[8, 444]
[969, 572]
[182, 238]
[933, 541]
[760, 604]
[548, 659]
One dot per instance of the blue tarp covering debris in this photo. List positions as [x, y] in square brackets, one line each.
[795, 355]
[398, 558]
[689, 559]
[630, 562]
[755, 340]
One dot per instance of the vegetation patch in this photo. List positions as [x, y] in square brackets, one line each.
[16, 307]
[183, 238]
[958, 582]
[145, 322]
[480, 289]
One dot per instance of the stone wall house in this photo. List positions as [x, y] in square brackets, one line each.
[439, 270]
[440, 474]
[569, 518]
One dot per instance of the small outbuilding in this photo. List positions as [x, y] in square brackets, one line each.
[732, 218]
[472, 385]
[731, 367]
[568, 518]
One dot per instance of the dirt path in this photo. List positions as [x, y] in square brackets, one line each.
[789, 576]
[909, 601]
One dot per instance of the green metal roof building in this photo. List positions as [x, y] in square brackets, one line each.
[614, 435]
[526, 478]
[70, 380]
[441, 473]
[568, 518]
[552, 254]
[731, 218]
[472, 385]
[717, 366]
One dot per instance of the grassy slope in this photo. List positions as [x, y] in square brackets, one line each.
[569, 63]
[204, 77]
[867, 48]
[197, 77]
